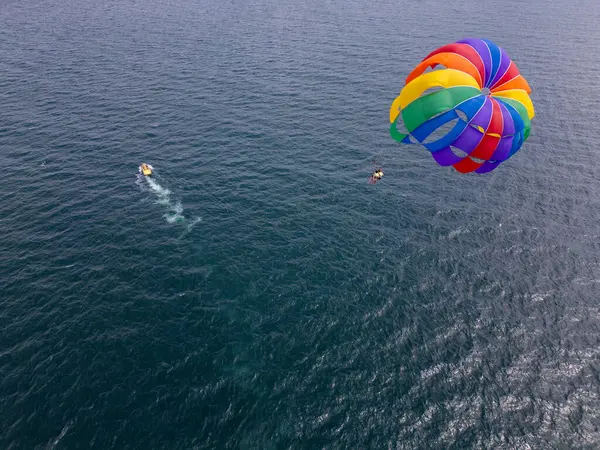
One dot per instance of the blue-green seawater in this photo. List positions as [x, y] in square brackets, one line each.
[258, 293]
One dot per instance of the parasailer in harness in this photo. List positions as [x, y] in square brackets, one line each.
[376, 176]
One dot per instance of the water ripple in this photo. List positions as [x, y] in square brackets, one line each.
[258, 293]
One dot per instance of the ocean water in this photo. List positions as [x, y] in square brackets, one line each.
[258, 293]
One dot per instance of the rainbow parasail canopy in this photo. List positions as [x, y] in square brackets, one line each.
[472, 114]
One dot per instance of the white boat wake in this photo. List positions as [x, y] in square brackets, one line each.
[174, 209]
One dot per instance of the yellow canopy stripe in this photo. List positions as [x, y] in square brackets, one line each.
[521, 96]
[439, 78]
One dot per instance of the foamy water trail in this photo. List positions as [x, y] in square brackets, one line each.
[190, 226]
[64, 431]
[174, 209]
[194, 222]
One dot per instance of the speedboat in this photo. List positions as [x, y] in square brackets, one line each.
[146, 169]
